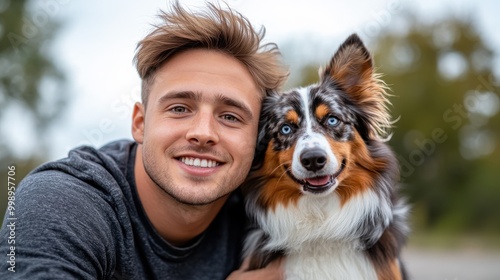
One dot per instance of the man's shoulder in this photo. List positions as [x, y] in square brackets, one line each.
[88, 163]
[59, 193]
[114, 153]
[70, 214]
[86, 173]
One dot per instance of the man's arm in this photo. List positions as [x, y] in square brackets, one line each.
[57, 231]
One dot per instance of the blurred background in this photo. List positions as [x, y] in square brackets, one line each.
[67, 79]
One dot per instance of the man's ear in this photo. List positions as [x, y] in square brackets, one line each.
[138, 122]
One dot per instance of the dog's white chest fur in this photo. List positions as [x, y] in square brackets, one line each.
[319, 236]
[322, 262]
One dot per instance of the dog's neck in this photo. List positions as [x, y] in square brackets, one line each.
[323, 220]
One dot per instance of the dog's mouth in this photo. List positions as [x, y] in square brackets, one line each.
[319, 184]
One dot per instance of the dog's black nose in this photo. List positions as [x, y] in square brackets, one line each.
[313, 159]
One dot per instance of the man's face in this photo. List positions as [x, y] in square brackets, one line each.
[199, 129]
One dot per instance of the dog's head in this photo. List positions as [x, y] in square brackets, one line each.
[323, 138]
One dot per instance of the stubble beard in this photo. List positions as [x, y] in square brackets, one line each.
[164, 181]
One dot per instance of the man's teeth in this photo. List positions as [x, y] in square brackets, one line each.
[199, 162]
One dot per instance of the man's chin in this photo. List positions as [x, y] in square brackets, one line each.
[197, 199]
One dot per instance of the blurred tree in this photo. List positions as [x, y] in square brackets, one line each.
[30, 82]
[446, 99]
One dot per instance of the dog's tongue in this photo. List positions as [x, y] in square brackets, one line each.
[318, 181]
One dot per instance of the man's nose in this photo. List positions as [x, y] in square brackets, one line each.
[203, 130]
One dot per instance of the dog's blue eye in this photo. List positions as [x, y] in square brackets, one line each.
[286, 129]
[332, 121]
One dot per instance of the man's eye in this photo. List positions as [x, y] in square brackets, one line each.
[178, 109]
[230, 118]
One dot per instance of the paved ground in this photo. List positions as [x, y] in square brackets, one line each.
[463, 264]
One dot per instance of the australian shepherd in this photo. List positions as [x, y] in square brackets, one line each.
[323, 188]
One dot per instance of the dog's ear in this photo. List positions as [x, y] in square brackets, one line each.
[351, 70]
[351, 66]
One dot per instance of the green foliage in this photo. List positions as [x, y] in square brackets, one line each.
[30, 81]
[446, 98]
[26, 63]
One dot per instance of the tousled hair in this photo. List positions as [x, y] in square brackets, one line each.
[215, 28]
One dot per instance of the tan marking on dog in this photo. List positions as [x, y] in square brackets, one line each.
[396, 270]
[279, 188]
[358, 175]
[391, 271]
[292, 116]
[321, 111]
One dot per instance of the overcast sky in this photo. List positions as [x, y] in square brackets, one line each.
[96, 45]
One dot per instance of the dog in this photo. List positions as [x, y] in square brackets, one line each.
[323, 189]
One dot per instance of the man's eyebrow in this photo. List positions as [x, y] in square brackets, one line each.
[235, 103]
[179, 95]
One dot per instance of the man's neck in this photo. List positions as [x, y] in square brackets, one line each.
[176, 222]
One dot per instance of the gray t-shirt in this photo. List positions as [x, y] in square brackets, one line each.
[81, 218]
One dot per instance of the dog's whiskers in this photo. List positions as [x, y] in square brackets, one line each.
[283, 173]
[277, 167]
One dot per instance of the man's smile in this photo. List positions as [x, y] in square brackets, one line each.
[198, 162]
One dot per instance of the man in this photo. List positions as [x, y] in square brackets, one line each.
[167, 205]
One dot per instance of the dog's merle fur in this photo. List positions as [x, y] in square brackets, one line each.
[357, 97]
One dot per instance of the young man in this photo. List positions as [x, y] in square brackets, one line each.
[167, 205]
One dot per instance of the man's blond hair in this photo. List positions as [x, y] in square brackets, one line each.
[215, 28]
